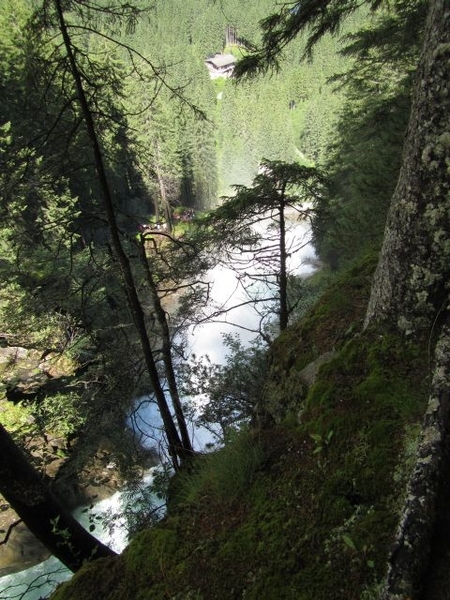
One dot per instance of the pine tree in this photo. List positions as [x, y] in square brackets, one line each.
[278, 188]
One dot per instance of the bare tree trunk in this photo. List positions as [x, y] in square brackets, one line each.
[29, 495]
[164, 334]
[282, 288]
[162, 192]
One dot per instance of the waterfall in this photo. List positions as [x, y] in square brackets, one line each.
[206, 339]
[226, 292]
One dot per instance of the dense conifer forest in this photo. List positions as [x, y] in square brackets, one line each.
[127, 172]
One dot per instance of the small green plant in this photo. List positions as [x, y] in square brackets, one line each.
[16, 418]
[322, 444]
[361, 552]
[63, 534]
[61, 413]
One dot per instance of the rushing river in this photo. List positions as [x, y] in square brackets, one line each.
[39, 581]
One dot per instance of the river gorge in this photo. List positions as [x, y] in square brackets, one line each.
[206, 339]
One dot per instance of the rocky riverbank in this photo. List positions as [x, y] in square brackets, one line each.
[26, 376]
[19, 548]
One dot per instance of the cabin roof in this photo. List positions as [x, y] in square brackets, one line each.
[219, 61]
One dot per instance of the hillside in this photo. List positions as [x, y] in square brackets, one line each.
[305, 503]
[331, 490]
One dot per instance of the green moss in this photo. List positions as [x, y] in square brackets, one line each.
[150, 559]
[151, 551]
[95, 580]
[334, 319]
[296, 511]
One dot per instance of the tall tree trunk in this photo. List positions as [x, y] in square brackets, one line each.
[162, 192]
[411, 286]
[283, 310]
[409, 558]
[175, 444]
[25, 489]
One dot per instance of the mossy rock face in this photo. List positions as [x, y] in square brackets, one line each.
[99, 579]
[335, 319]
[315, 504]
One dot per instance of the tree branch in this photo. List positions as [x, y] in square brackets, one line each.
[9, 531]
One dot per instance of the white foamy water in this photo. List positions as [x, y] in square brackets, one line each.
[41, 580]
[206, 339]
[227, 292]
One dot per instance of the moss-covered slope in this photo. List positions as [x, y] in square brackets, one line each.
[307, 507]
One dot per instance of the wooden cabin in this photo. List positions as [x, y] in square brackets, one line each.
[220, 65]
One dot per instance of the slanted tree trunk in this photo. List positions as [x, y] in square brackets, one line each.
[176, 448]
[166, 350]
[411, 287]
[25, 489]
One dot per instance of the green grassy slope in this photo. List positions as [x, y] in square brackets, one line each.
[306, 507]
